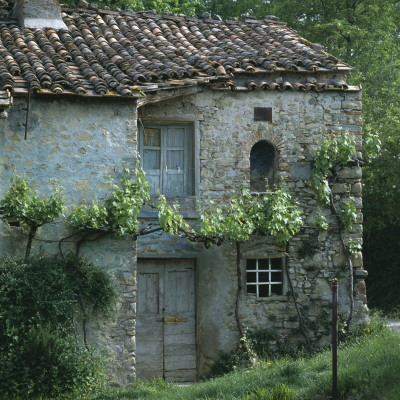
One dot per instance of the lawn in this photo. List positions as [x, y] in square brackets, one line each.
[369, 368]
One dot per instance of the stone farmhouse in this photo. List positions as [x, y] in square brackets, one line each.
[209, 106]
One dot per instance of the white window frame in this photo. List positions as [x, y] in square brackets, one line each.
[257, 283]
[189, 164]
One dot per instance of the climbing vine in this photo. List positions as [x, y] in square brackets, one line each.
[22, 206]
[242, 217]
[236, 220]
[334, 154]
[119, 212]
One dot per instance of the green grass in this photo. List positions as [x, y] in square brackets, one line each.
[369, 368]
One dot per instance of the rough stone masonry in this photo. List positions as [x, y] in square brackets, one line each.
[82, 144]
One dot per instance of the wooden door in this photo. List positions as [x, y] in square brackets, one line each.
[165, 322]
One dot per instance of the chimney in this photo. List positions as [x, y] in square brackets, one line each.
[38, 14]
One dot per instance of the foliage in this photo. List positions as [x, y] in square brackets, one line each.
[119, 212]
[46, 361]
[278, 392]
[170, 219]
[21, 204]
[382, 255]
[260, 343]
[34, 293]
[187, 7]
[365, 34]
[274, 214]
[93, 283]
[44, 290]
[38, 301]
[333, 153]
[348, 213]
[225, 363]
[308, 249]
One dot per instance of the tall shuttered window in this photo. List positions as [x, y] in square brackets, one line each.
[167, 158]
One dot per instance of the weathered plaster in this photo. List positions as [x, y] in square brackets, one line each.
[79, 145]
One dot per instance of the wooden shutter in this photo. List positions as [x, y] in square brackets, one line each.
[151, 156]
[166, 156]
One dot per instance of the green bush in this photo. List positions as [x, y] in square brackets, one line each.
[260, 342]
[226, 362]
[50, 363]
[38, 301]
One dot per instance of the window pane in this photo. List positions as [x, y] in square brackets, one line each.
[176, 137]
[175, 159]
[276, 289]
[251, 277]
[252, 289]
[152, 137]
[276, 263]
[151, 159]
[263, 277]
[250, 264]
[263, 263]
[276, 277]
[263, 291]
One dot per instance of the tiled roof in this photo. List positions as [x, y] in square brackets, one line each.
[111, 53]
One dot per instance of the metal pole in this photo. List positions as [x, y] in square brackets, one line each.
[334, 338]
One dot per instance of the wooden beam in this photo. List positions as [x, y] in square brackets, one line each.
[167, 94]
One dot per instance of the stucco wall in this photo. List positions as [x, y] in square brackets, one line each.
[225, 126]
[79, 145]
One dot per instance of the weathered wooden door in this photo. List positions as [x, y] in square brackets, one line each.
[165, 321]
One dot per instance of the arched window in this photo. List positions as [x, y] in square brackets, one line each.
[262, 165]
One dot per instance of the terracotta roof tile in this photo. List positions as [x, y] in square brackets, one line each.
[103, 52]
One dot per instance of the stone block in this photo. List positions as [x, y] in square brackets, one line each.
[351, 105]
[339, 188]
[350, 173]
[360, 273]
[356, 188]
[347, 128]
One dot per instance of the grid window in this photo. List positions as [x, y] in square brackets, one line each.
[264, 276]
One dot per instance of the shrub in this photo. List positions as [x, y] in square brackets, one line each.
[38, 301]
[50, 363]
[226, 362]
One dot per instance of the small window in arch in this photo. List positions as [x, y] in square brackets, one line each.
[262, 165]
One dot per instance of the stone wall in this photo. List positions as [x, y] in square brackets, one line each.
[82, 144]
[79, 145]
[225, 125]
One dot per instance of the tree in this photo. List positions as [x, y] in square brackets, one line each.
[365, 34]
